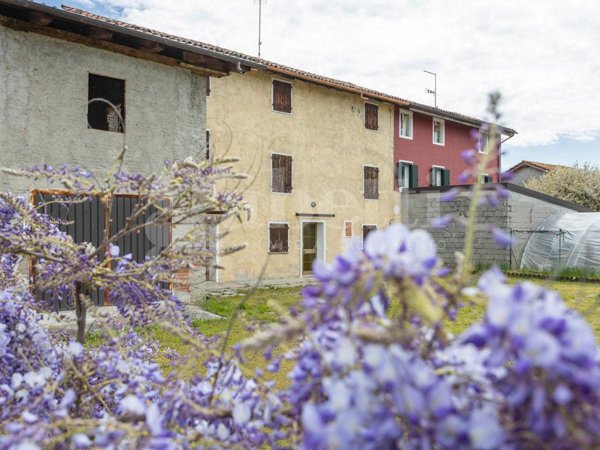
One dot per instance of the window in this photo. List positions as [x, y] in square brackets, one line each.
[278, 237]
[281, 173]
[366, 229]
[439, 176]
[106, 96]
[282, 96]
[348, 229]
[371, 182]
[406, 124]
[408, 175]
[439, 132]
[484, 139]
[371, 116]
[484, 178]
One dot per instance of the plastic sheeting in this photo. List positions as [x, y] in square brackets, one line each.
[564, 240]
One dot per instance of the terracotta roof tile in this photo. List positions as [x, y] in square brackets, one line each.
[286, 70]
[535, 164]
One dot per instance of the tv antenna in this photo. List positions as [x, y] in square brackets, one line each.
[260, 2]
[434, 91]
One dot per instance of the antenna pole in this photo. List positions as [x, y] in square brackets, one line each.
[434, 92]
[259, 24]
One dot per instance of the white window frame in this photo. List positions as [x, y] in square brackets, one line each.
[482, 148]
[433, 166]
[291, 95]
[402, 161]
[442, 123]
[365, 117]
[410, 113]
[481, 177]
[269, 223]
[271, 164]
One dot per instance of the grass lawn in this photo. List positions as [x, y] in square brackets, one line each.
[266, 305]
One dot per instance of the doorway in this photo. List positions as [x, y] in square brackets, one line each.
[313, 245]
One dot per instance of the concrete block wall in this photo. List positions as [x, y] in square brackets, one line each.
[521, 214]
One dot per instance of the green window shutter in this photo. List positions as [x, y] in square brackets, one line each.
[414, 176]
[445, 177]
[399, 174]
[432, 176]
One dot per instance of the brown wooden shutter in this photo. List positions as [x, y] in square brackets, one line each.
[282, 173]
[282, 96]
[371, 116]
[371, 182]
[278, 237]
[287, 161]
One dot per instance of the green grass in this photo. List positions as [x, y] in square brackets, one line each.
[267, 305]
[264, 306]
[582, 297]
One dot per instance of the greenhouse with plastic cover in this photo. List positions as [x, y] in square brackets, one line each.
[564, 240]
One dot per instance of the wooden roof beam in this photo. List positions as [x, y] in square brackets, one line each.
[39, 18]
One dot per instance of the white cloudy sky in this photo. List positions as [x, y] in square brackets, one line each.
[543, 55]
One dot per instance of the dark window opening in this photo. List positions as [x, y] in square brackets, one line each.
[408, 175]
[486, 179]
[282, 96]
[366, 229]
[371, 116]
[281, 173]
[102, 92]
[208, 86]
[371, 182]
[278, 237]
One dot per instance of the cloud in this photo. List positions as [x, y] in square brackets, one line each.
[544, 56]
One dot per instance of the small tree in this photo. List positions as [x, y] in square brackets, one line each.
[578, 184]
[184, 196]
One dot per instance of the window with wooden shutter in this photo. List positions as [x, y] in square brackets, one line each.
[278, 237]
[366, 229]
[281, 178]
[371, 116]
[282, 96]
[371, 182]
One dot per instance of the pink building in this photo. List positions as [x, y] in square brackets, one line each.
[428, 143]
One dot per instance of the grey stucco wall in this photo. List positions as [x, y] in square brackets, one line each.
[520, 215]
[43, 108]
[526, 173]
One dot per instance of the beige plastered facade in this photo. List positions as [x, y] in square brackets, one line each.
[327, 139]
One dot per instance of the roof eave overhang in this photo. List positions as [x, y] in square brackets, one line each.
[24, 8]
[355, 90]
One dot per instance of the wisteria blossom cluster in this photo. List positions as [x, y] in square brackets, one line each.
[61, 395]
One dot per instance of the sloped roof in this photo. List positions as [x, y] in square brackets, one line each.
[536, 165]
[291, 71]
[231, 57]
